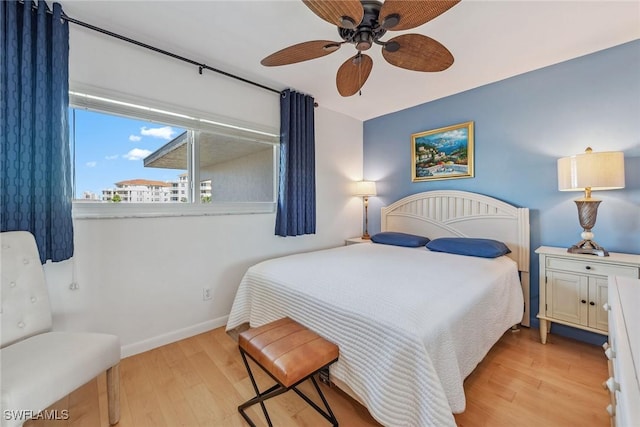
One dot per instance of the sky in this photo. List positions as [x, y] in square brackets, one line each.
[109, 149]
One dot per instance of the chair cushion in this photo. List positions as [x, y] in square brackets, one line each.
[25, 305]
[288, 350]
[43, 369]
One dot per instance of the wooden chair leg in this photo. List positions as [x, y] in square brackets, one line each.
[113, 393]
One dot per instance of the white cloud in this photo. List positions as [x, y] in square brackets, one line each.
[165, 132]
[91, 164]
[134, 138]
[137, 154]
[115, 156]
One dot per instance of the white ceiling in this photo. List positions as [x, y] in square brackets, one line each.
[490, 40]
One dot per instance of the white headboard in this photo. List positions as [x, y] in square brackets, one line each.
[451, 213]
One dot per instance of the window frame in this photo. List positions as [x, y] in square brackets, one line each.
[193, 121]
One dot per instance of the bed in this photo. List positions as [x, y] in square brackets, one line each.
[411, 324]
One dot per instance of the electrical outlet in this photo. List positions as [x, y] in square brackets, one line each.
[206, 294]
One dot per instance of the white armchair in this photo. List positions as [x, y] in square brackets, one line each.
[37, 366]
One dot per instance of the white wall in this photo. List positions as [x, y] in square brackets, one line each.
[142, 278]
[248, 178]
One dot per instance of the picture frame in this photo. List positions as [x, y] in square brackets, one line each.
[444, 153]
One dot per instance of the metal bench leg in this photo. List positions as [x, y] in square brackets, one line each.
[274, 391]
[260, 396]
[328, 414]
[279, 389]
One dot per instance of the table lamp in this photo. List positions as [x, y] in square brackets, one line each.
[590, 172]
[365, 189]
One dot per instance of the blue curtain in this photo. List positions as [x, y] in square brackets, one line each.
[296, 211]
[34, 149]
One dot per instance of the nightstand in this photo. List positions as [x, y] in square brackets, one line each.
[573, 287]
[356, 240]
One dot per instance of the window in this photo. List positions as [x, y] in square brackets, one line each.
[131, 160]
[111, 155]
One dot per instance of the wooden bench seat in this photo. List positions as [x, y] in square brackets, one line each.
[290, 353]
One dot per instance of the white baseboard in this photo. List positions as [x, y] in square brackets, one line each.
[173, 336]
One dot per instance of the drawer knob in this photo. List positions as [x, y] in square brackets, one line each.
[592, 303]
[588, 267]
[584, 301]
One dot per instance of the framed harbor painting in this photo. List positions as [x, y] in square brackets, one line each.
[444, 153]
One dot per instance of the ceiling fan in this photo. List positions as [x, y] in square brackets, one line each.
[363, 23]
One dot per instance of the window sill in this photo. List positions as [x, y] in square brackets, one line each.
[97, 210]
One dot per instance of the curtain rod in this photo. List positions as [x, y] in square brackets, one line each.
[158, 50]
[155, 49]
[164, 52]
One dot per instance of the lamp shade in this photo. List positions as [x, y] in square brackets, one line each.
[365, 188]
[595, 171]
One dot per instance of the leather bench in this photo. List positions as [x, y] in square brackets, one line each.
[290, 353]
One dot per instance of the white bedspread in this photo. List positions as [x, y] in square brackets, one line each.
[410, 324]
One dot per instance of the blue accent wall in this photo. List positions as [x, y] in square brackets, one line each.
[522, 126]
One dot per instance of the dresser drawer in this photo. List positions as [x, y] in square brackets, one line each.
[591, 267]
[624, 351]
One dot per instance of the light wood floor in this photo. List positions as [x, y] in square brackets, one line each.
[201, 380]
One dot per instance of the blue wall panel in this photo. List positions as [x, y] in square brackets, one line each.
[522, 126]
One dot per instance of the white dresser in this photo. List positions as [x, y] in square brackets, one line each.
[623, 351]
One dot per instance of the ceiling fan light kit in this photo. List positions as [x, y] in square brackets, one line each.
[347, 22]
[363, 23]
[390, 21]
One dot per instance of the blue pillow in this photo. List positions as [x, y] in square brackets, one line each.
[399, 239]
[484, 248]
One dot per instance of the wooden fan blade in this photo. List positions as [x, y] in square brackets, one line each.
[343, 13]
[417, 52]
[404, 14]
[301, 52]
[353, 73]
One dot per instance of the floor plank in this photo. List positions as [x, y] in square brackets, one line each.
[201, 380]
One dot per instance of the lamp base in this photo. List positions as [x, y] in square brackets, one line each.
[365, 236]
[587, 213]
[588, 247]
